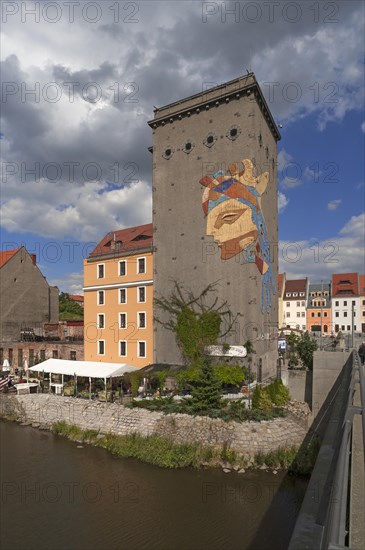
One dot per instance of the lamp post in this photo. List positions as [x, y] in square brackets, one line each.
[352, 324]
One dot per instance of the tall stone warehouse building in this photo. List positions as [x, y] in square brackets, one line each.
[215, 212]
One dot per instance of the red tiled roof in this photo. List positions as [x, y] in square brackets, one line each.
[76, 297]
[133, 238]
[296, 285]
[345, 284]
[6, 255]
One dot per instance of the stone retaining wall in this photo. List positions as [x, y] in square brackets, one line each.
[247, 439]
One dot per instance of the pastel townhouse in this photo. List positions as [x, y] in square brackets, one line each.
[118, 298]
[346, 303]
[319, 318]
[294, 304]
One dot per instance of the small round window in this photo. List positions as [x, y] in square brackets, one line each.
[168, 152]
[210, 140]
[233, 132]
[188, 147]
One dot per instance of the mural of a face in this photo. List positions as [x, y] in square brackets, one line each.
[230, 224]
[232, 205]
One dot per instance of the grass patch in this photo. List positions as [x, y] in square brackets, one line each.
[297, 461]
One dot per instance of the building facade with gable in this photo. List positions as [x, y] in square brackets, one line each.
[295, 303]
[319, 312]
[346, 303]
[118, 298]
[27, 300]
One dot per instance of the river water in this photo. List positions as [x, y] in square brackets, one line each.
[58, 496]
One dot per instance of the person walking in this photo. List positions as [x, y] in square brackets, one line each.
[362, 353]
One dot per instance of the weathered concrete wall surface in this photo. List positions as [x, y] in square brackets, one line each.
[299, 383]
[327, 365]
[184, 251]
[247, 438]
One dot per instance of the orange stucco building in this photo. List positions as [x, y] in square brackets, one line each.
[319, 316]
[118, 298]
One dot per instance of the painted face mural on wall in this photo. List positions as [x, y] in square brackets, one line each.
[232, 205]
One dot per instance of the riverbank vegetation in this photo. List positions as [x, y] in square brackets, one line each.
[165, 453]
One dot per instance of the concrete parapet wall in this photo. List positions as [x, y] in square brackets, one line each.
[247, 438]
[327, 365]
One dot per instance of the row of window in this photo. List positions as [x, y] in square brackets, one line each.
[123, 348]
[319, 314]
[344, 303]
[141, 320]
[31, 356]
[299, 314]
[298, 304]
[294, 294]
[122, 295]
[122, 268]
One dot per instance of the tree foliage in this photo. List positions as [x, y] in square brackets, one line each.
[69, 310]
[301, 351]
[196, 321]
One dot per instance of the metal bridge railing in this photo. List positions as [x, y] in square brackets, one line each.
[323, 521]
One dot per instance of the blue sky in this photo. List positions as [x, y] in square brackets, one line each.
[84, 129]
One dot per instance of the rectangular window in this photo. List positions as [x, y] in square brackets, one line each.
[122, 268]
[1, 356]
[348, 327]
[101, 297]
[101, 347]
[31, 357]
[122, 320]
[42, 355]
[20, 358]
[345, 303]
[354, 327]
[10, 356]
[337, 328]
[298, 304]
[337, 313]
[288, 314]
[141, 294]
[141, 349]
[73, 355]
[122, 295]
[325, 314]
[353, 303]
[312, 314]
[298, 313]
[55, 354]
[100, 271]
[337, 303]
[363, 302]
[123, 348]
[101, 319]
[303, 313]
[141, 319]
[303, 304]
[345, 313]
[319, 314]
[342, 327]
[287, 304]
[141, 265]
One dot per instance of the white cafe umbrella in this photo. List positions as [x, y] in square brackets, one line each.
[6, 365]
[26, 369]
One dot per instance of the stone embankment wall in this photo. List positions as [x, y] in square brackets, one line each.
[247, 438]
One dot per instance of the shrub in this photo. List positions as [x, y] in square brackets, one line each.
[261, 400]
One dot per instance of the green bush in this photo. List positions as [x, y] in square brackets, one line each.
[278, 393]
[261, 400]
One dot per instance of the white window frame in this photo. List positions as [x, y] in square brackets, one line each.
[97, 271]
[98, 320]
[145, 349]
[98, 347]
[126, 348]
[145, 320]
[126, 320]
[99, 293]
[119, 264]
[145, 295]
[145, 265]
[119, 294]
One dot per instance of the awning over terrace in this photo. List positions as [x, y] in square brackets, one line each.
[89, 369]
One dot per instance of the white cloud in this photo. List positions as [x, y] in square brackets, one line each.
[72, 283]
[363, 127]
[333, 205]
[318, 259]
[282, 202]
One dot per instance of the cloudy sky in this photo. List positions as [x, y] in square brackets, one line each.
[80, 81]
